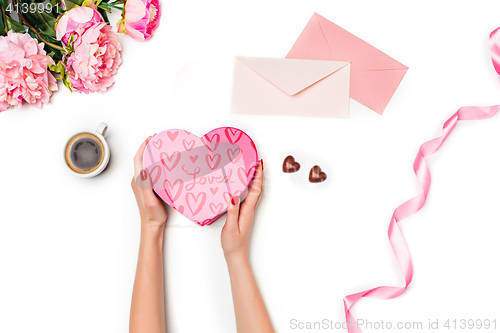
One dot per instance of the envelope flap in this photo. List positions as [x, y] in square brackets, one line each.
[348, 47]
[292, 75]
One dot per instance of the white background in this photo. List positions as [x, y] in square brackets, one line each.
[68, 246]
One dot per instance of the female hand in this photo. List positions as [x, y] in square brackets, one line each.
[147, 310]
[235, 236]
[153, 213]
[249, 308]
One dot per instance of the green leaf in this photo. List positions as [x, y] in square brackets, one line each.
[57, 54]
[54, 53]
[57, 7]
[72, 3]
[42, 21]
[68, 84]
[104, 15]
[3, 17]
[47, 23]
[65, 80]
[103, 7]
[32, 34]
[59, 68]
[14, 25]
[63, 74]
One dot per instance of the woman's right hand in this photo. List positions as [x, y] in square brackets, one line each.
[235, 237]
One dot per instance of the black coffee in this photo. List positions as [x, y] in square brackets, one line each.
[84, 153]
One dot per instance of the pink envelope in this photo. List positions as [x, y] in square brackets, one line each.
[270, 86]
[374, 75]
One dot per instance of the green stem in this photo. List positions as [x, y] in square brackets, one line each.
[110, 5]
[4, 18]
[55, 46]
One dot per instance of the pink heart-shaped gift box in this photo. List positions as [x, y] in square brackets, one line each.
[199, 176]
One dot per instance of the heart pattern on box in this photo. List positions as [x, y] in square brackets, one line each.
[198, 176]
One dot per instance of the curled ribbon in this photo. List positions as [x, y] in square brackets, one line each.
[495, 49]
[413, 205]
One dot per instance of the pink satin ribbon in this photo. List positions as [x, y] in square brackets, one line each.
[413, 205]
[495, 49]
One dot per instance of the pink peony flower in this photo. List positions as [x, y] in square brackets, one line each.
[76, 21]
[139, 18]
[23, 72]
[95, 55]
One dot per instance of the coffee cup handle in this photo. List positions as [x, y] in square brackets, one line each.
[102, 129]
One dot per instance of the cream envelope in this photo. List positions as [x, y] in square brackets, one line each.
[291, 87]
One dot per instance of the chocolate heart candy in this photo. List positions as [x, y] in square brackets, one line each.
[289, 165]
[316, 175]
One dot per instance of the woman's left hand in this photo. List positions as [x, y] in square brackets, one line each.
[152, 210]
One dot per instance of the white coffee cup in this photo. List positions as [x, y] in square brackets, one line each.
[100, 132]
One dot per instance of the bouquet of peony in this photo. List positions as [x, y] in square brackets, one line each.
[42, 41]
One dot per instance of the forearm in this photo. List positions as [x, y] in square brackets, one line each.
[147, 313]
[250, 311]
